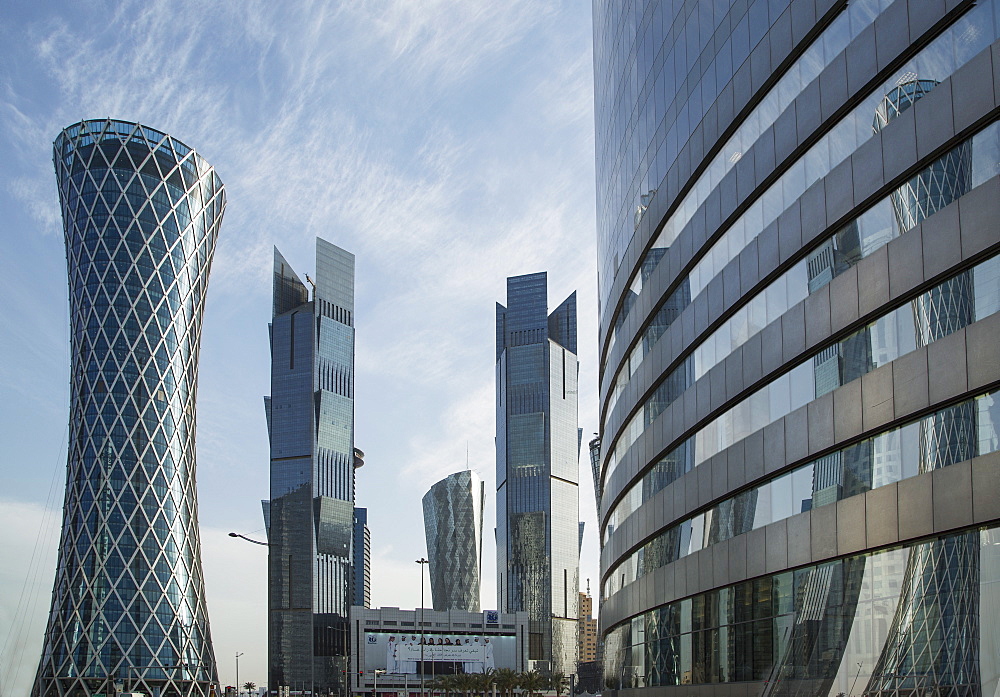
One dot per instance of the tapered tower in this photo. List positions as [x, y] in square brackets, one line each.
[141, 214]
[453, 528]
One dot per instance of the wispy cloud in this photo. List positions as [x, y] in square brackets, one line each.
[447, 143]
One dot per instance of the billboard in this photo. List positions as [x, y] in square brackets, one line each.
[401, 653]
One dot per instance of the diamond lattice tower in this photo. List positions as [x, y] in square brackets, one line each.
[141, 214]
[453, 527]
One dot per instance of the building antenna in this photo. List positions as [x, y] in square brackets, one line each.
[466, 456]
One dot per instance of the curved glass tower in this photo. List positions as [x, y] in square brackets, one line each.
[141, 214]
[798, 205]
[453, 528]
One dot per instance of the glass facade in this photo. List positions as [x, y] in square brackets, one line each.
[453, 526]
[844, 627]
[786, 195]
[968, 429]
[311, 528]
[362, 559]
[538, 446]
[141, 215]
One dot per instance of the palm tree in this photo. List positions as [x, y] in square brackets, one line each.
[558, 682]
[532, 682]
[446, 683]
[466, 683]
[485, 680]
[506, 680]
[249, 686]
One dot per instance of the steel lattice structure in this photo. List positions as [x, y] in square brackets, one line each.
[141, 214]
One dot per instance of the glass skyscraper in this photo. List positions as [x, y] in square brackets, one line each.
[310, 415]
[362, 559]
[799, 256]
[538, 447]
[141, 214]
[453, 528]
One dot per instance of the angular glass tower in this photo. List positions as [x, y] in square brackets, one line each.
[538, 508]
[453, 527]
[141, 214]
[311, 511]
[798, 206]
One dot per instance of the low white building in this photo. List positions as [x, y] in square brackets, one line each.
[410, 644]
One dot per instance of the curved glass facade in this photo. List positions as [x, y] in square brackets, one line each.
[826, 629]
[877, 461]
[800, 290]
[895, 334]
[141, 214]
[453, 528]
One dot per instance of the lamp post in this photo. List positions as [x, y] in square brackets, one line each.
[422, 561]
[262, 544]
[244, 537]
[238, 654]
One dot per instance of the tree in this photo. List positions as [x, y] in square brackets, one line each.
[558, 682]
[532, 682]
[506, 680]
[249, 686]
[465, 683]
[485, 680]
[445, 683]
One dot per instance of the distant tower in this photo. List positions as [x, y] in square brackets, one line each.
[588, 628]
[362, 559]
[141, 214]
[595, 468]
[362, 563]
[310, 415]
[538, 508]
[453, 526]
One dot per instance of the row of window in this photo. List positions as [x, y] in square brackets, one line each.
[856, 240]
[953, 48]
[888, 622]
[949, 436]
[957, 302]
[833, 40]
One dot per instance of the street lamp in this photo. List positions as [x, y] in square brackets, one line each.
[244, 537]
[262, 544]
[421, 561]
[238, 654]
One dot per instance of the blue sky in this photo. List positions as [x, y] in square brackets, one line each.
[447, 144]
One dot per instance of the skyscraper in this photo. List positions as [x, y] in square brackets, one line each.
[362, 559]
[587, 631]
[798, 466]
[538, 559]
[453, 527]
[361, 593]
[313, 459]
[141, 215]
